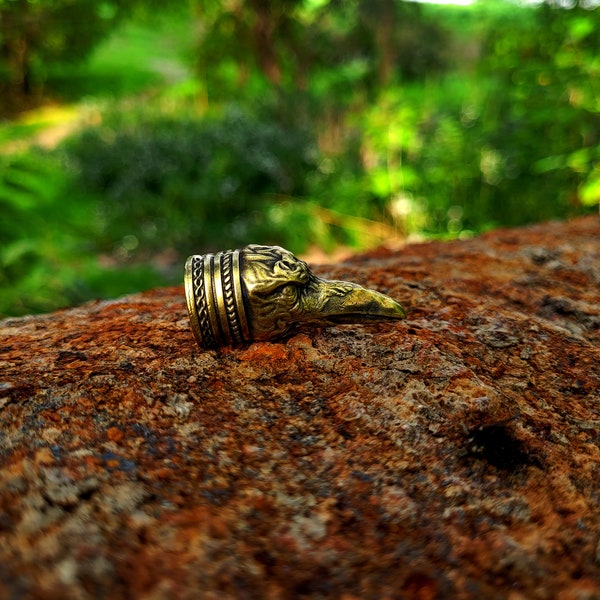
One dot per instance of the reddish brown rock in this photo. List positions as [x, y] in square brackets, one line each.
[453, 454]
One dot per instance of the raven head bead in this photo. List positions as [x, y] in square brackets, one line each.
[265, 292]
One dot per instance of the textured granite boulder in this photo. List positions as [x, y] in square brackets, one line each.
[453, 454]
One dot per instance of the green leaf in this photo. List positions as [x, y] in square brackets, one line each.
[580, 28]
[13, 253]
[589, 192]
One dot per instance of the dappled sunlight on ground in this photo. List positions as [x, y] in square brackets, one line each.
[48, 125]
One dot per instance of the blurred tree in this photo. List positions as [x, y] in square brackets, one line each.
[543, 115]
[510, 136]
[34, 35]
[316, 46]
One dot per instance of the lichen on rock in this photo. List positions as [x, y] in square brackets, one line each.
[453, 454]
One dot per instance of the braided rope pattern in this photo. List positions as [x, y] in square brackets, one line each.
[229, 296]
[201, 306]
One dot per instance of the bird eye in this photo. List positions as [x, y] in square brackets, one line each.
[291, 270]
[288, 265]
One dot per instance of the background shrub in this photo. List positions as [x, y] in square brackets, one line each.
[187, 184]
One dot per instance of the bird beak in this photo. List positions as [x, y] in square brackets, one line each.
[333, 302]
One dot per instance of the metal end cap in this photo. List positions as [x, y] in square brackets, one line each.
[215, 299]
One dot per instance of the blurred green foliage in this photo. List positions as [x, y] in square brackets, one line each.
[172, 182]
[48, 255]
[29, 254]
[305, 123]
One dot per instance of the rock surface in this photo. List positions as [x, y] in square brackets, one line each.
[455, 454]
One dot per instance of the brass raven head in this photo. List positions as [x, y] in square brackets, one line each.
[265, 292]
[284, 294]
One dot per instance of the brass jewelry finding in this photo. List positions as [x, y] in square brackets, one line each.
[265, 292]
